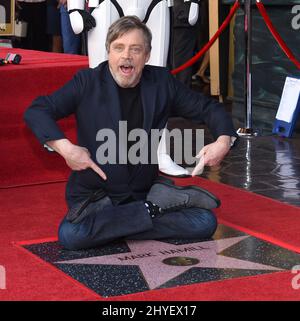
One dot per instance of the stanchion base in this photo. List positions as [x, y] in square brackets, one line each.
[247, 132]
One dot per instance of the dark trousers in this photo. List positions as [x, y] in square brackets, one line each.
[132, 221]
[184, 46]
[35, 15]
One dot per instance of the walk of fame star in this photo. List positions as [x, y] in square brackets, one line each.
[160, 262]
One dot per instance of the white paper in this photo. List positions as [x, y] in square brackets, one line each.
[289, 100]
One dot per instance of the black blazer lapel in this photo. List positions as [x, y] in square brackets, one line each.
[148, 92]
[112, 102]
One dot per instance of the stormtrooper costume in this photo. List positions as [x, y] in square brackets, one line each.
[156, 15]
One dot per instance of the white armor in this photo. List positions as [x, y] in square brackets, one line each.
[106, 13]
[194, 12]
[158, 21]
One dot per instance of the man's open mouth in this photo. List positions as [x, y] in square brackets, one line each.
[126, 69]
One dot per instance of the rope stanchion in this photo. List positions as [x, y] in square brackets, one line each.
[211, 41]
[275, 34]
[248, 131]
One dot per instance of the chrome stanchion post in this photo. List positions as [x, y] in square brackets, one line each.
[248, 130]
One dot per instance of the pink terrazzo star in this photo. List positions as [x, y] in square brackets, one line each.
[149, 256]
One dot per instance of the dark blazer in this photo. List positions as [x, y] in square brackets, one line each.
[92, 95]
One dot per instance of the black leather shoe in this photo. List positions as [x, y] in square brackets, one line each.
[79, 211]
[171, 197]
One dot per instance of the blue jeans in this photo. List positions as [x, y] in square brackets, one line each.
[71, 41]
[132, 221]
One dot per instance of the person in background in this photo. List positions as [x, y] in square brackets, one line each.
[184, 39]
[34, 12]
[202, 74]
[53, 26]
[71, 41]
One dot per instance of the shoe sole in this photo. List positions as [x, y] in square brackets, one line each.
[197, 188]
[96, 196]
[177, 176]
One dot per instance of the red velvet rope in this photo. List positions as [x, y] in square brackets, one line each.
[211, 41]
[275, 34]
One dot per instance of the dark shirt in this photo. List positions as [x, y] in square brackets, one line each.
[132, 112]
